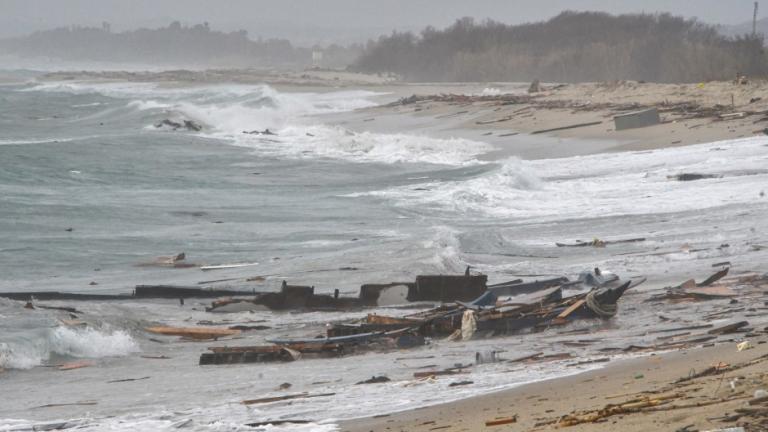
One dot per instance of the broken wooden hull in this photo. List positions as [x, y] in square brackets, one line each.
[285, 350]
[512, 288]
[547, 309]
[443, 288]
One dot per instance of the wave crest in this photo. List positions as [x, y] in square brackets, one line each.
[36, 348]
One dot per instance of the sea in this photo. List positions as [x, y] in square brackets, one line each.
[93, 186]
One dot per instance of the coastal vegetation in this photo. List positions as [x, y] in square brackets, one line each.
[571, 47]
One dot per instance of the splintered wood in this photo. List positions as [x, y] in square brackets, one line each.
[630, 406]
[501, 421]
[193, 332]
[282, 398]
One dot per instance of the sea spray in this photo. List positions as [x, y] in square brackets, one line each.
[34, 347]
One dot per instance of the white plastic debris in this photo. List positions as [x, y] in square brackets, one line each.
[743, 346]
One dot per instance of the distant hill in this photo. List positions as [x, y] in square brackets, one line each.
[172, 45]
[571, 47]
[744, 28]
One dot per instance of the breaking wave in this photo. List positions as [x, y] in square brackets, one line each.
[228, 112]
[599, 185]
[35, 348]
[340, 143]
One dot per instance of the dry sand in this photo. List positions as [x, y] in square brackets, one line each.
[500, 123]
[540, 406]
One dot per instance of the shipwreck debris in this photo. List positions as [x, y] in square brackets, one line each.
[501, 421]
[488, 316]
[286, 397]
[193, 332]
[637, 119]
[286, 350]
[174, 261]
[600, 243]
[443, 288]
[692, 291]
[692, 176]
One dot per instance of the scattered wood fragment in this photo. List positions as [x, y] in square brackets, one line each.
[696, 327]
[436, 373]
[610, 410]
[564, 314]
[277, 423]
[59, 308]
[524, 358]
[249, 328]
[193, 332]
[501, 421]
[75, 365]
[503, 119]
[374, 380]
[692, 176]
[127, 380]
[600, 243]
[714, 278]
[573, 126]
[286, 397]
[730, 328]
[156, 357]
[227, 266]
[82, 403]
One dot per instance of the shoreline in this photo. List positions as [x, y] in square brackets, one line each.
[577, 119]
[505, 114]
[542, 405]
[477, 118]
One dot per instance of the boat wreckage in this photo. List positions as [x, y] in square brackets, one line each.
[426, 288]
[487, 315]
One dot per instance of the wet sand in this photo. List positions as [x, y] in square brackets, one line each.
[541, 405]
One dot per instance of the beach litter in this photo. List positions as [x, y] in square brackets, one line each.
[501, 421]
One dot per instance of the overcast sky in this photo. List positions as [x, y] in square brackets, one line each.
[324, 21]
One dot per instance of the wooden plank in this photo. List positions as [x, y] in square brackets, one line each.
[564, 314]
[193, 332]
[714, 278]
[502, 421]
[573, 126]
[282, 398]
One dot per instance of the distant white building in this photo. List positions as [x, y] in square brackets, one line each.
[317, 59]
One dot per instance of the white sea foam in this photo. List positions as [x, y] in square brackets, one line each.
[38, 141]
[601, 185]
[87, 105]
[340, 143]
[36, 348]
[229, 111]
[491, 91]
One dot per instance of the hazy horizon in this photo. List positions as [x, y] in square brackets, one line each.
[306, 22]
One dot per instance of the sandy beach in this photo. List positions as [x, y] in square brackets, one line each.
[546, 405]
[690, 114]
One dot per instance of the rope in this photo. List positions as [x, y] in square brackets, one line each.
[602, 310]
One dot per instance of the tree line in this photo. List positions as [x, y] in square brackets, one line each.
[173, 45]
[571, 47]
